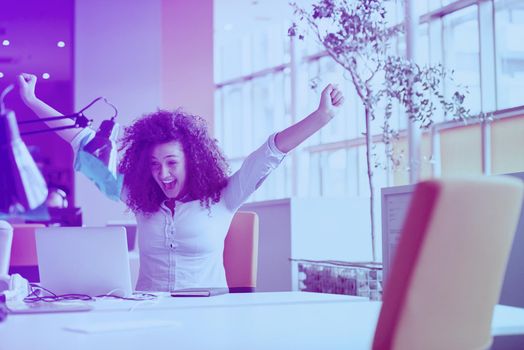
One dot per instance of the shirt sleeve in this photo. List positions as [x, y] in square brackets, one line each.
[82, 138]
[107, 181]
[254, 170]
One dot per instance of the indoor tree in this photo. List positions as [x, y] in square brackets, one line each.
[357, 35]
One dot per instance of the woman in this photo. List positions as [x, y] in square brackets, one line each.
[176, 182]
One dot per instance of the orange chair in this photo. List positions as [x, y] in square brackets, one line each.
[23, 251]
[241, 253]
[449, 265]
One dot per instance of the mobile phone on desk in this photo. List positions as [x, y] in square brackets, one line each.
[198, 292]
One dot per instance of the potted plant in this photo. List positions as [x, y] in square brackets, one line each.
[357, 36]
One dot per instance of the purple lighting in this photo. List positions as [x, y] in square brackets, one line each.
[45, 76]
[6, 42]
[60, 44]
[1, 75]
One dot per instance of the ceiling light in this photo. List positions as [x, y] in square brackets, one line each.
[45, 76]
[1, 75]
[6, 42]
[60, 44]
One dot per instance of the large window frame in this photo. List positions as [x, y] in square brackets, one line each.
[306, 174]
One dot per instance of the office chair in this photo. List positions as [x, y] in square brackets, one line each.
[24, 260]
[241, 253]
[449, 264]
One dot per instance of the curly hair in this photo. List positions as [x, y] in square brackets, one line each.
[205, 163]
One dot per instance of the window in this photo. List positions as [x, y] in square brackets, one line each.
[462, 53]
[260, 91]
[334, 175]
[509, 22]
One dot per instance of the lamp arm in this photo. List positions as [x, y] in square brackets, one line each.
[80, 122]
[70, 116]
[46, 130]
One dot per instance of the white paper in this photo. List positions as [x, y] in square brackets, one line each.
[101, 327]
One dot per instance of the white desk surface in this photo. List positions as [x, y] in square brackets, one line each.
[285, 320]
[165, 301]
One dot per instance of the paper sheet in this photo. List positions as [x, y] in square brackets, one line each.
[113, 326]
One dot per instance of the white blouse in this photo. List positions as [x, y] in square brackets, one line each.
[185, 250]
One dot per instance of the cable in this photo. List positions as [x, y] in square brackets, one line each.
[35, 290]
[115, 110]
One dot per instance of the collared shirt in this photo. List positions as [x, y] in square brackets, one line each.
[185, 249]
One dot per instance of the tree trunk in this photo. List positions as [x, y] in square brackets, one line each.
[369, 116]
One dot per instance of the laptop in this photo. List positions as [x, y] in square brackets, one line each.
[130, 226]
[84, 260]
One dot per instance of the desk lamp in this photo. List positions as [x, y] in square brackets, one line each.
[22, 186]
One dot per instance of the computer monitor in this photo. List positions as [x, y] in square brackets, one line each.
[395, 203]
[84, 260]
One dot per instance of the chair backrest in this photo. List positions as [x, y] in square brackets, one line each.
[6, 238]
[449, 264]
[23, 248]
[241, 253]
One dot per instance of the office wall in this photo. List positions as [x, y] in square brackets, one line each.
[310, 229]
[141, 55]
[187, 57]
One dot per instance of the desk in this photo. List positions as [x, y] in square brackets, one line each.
[166, 302]
[286, 320]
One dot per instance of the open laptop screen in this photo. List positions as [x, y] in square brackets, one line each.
[84, 260]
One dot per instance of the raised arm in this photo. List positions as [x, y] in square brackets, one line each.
[259, 164]
[330, 101]
[27, 83]
[110, 184]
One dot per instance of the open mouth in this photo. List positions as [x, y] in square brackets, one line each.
[169, 185]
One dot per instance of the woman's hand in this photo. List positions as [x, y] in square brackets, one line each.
[26, 85]
[330, 101]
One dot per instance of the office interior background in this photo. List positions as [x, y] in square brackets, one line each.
[232, 62]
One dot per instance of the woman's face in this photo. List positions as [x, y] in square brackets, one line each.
[168, 167]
